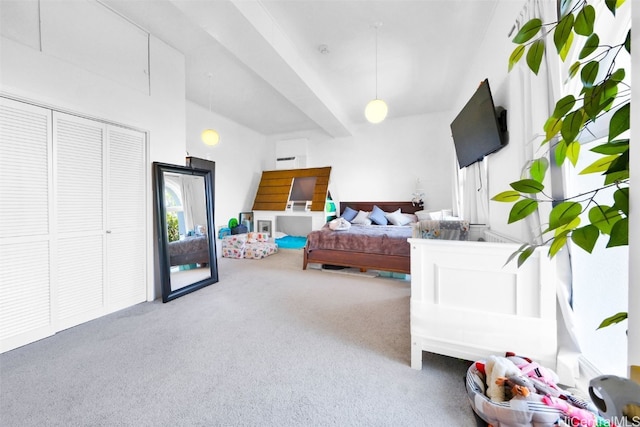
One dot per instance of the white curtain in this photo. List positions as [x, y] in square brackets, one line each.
[471, 193]
[195, 211]
[534, 96]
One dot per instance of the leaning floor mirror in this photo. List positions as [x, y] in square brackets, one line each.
[184, 229]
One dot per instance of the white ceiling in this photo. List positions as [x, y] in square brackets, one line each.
[269, 74]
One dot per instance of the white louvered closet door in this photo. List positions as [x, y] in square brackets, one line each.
[79, 152]
[126, 241]
[25, 220]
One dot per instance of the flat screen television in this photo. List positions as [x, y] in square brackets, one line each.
[479, 129]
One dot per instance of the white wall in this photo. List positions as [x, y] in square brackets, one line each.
[491, 62]
[30, 75]
[383, 161]
[240, 156]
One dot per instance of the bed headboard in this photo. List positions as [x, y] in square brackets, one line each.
[406, 207]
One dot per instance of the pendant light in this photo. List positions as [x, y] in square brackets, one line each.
[210, 136]
[376, 110]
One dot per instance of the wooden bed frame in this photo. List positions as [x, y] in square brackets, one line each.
[364, 261]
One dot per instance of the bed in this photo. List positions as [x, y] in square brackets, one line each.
[190, 250]
[375, 247]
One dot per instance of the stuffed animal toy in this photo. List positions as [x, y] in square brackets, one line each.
[577, 416]
[496, 367]
[535, 371]
[517, 386]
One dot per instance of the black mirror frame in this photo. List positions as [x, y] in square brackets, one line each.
[161, 226]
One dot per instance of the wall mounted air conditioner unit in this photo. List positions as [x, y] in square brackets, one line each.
[291, 162]
[291, 154]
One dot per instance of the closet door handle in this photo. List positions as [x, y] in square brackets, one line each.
[108, 231]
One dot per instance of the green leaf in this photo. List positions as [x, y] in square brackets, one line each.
[525, 255]
[589, 73]
[600, 165]
[610, 178]
[561, 152]
[571, 125]
[612, 5]
[515, 56]
[552, 126]
[534, 56]
[590, 46]
[591, 101]
[619, 233]
[528, 31]
[620, 164]
[618, 75]
[522, 209]
[612, 320]
[515, 254]
[621, 198]
[506, 196]
[563, 106]
[609, 93]
[539, 169]
[562, 32]
[603, 217]
[528, 186]
[627, 42]
[573, 70]
[563, 213]
[614, 147]
[564, 52]
[568, 227]
[584, 21]
[586, 237]
[573, 152]
[557, 244]
[619, 121]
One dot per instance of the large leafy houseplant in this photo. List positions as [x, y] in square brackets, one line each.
[603, 95]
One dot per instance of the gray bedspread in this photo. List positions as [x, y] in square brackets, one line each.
[377, 239]
[190, 250]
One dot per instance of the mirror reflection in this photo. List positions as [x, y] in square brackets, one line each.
[184, 214]
[186, 218]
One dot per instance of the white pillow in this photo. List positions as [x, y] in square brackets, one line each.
[423, 215]
[362, 218]
[398, 218]
[429, 215]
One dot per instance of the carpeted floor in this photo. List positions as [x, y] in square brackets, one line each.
[269, 345]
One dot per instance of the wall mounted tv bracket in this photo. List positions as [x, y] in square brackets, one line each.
[501, 116]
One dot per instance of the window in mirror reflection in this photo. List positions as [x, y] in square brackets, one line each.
[186, 228]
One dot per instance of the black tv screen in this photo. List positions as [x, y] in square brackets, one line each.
[478, 130]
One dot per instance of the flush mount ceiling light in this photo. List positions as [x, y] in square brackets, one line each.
[210, 136]
[376, 110]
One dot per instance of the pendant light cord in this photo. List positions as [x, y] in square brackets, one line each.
[210, 89]
[377, 25]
